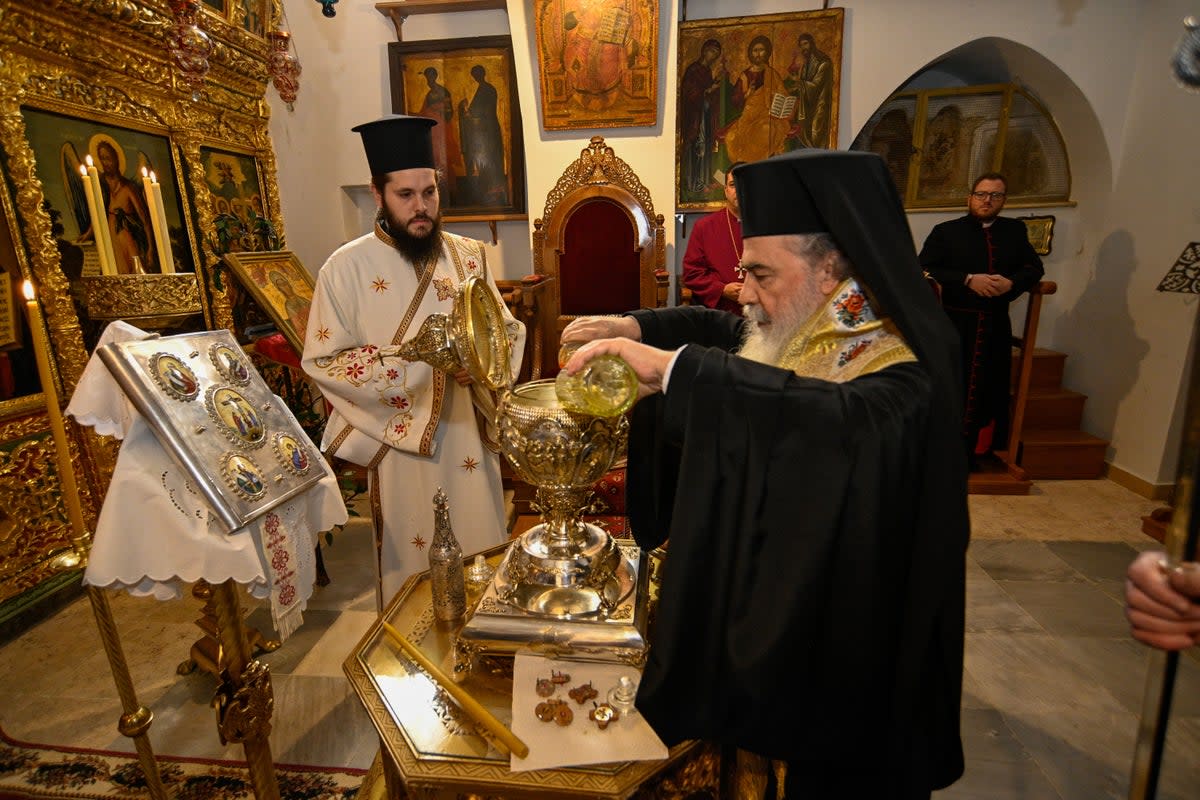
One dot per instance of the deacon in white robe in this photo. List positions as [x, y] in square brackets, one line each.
[415, 428]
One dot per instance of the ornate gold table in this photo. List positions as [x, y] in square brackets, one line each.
[431, 749]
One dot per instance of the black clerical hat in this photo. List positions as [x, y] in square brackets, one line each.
[397, 142]
[774, 197]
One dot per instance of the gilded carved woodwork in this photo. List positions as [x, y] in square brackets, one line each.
[33, 525]
[107, 61]
[130, 296]
[244, 705]
[598, 165]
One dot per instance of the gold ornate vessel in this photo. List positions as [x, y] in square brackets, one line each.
[565, 586]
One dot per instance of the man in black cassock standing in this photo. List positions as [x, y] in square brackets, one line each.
[806, 464]
[983, 262]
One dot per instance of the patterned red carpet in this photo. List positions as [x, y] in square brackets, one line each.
[33, 771]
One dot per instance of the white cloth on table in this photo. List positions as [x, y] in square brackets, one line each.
[156, 532]
[629, 738]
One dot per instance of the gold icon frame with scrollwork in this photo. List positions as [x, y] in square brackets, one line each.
[117, 71]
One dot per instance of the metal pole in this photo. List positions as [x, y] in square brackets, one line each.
[1180, 543]
[137, 718]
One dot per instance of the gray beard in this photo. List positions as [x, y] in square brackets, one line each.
[756, 346]
[764, 346]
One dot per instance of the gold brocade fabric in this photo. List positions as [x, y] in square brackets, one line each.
[845, 339]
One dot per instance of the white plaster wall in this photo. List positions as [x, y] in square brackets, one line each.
[1125, 125]
[1134, 341]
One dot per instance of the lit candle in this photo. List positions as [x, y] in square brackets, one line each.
[66, 473]
[95, 215]
[100, 230]
[160, 239]
[166, 258]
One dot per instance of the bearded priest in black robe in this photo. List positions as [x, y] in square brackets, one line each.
[807, 467]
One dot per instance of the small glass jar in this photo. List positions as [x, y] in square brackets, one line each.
[478, 574]
[606, 387]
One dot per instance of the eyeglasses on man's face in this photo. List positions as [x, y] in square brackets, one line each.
[994, 196]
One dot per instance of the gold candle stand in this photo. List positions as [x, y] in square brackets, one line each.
[137, 718]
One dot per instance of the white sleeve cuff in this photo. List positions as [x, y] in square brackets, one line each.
[670, 366]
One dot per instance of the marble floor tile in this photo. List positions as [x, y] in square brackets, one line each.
[1030, 674]
[1051, 690]
[349, 561]
[337, 642]
[991, 609]
[1086, 754]
[1069, 609]
[336, 732]
[998, 767]
[1121, 664]
[1178, 773]
[1097, 560]
[1000, 780]
[284, 660]
[1024, 560]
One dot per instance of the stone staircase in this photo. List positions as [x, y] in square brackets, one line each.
[1053, 447]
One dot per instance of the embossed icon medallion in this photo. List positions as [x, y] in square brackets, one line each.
[291, 453]
[235, 416]
[243, 475]
[174, 377]
[230, 363]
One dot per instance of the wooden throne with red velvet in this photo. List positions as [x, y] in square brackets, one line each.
[600, 245]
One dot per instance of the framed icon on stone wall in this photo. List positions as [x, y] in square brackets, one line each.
[1041, 232]
[750, 88]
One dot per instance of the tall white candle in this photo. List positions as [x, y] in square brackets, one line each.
[94, 214]
[166, 258]
[161, 245]
[100, 230]
[66, 472]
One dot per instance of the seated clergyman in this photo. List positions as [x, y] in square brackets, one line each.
[806, 464]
